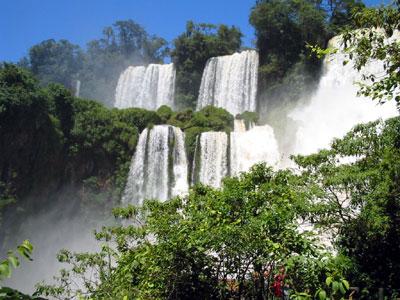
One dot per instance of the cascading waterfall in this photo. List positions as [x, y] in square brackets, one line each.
[210, 165]
[256, 145]
[159, 166]
[146, 87]
[217, 156]
[334, 109]
[230, 82]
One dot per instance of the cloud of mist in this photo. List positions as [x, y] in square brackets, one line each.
[60, 225]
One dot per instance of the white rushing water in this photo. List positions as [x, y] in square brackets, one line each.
[146, 87]
[230, 82]
[159, 166]
[211, 164]
[256, 145]
[217, 156]
[334, 108]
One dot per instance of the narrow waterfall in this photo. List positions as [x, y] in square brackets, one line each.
[159, 166]
[146, 87]
[334, 108]
[210, 165]
[230, 82]
[77, 88]
[258, 144]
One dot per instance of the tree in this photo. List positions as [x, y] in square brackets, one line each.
[376, 39]
[53, 61]
[341, 14]
[283, 29]
[192, 50]
[357, 187]
[98, 68]
[227, 243]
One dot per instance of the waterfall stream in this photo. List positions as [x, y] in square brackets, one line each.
[146, 87]
[335, 108]
[159, 166]
[230, 82]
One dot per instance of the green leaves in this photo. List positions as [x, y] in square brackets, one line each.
[25, 250]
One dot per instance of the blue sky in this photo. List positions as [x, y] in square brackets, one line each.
[24, 23]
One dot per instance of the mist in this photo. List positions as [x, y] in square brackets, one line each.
[62, 224]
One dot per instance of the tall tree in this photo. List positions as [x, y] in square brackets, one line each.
[192, 50]
[54, 61]
[283, 30]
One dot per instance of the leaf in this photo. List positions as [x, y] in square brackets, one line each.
[328, 280]
[13, 260]
[5, 270]
[322, 295]
[335, 287]
[346, 284]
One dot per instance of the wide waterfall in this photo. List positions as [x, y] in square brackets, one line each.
[146, 87]
[217, 156]
[159, 166]
[256, 145]
[334, 108]
[230, 82]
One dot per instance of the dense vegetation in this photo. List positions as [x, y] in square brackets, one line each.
[238, 241]
[51, 139]
[285, 30]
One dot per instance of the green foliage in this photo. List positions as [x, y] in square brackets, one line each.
[12, 261]
[192, 50]
[375, 40]
[249, 117]
[283, 28]
[11, 294]
[165, 113]
[98, 68]
[341, 14]
[31, 137]
[51, 140]
[356, 184]
[209, 118]
[213, 244]
[53, 61]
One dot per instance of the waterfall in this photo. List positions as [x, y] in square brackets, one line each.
[230, 82]
[159, 166]
[77, 88]
[334, 108]
[210, 165]
[216, 156]
[258, 144]
[146, 87]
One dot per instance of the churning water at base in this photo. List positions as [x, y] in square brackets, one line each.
[159, 166]
[146, 87]
[256, 145]
[230, 82]
[334, 109]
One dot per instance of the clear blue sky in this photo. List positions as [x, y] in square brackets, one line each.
[24, 23]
